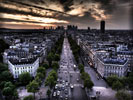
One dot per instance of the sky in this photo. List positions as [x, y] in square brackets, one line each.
[36, 14]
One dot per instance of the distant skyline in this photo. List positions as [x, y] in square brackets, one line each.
[36, 14]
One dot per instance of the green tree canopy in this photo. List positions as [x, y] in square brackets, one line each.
[123, 95]
[55, 65]
[3, 67]
[85, 75]
[41, 70]
[40, 75]
[50, 81]
[6, 76]
[7, 91]
[117, 85]
[112, 79]
[33, 87]
[50, 58]
[88, 83]
[30, 97]
[57, 57]
[54, 74]
[48, 93]
[130, 80]
[45, 65]
[25, 78]
[37, 79]
[81, 68]
[9, 84]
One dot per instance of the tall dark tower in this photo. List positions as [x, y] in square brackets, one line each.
[102, 26]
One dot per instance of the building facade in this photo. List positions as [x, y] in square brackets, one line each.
[17, 67]
[108, 67]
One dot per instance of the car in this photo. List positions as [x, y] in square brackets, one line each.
[66, 97]
[63, 87]
[61, 97]
[93, 97]
[58, 80]
[66, 91]
[58, 93]
[56, 86]
[82, 86]
[54, 94]
[72, 86]
[63, 81]
[66, 83]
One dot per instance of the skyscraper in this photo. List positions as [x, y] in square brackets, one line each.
[102, 26]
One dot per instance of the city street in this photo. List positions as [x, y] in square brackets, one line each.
[99, 84]
[69, 77]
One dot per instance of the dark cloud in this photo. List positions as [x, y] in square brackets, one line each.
[109, 7]
[15, 11]
[30, 5]
[66, 4]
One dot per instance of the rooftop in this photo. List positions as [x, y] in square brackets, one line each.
[23, 61]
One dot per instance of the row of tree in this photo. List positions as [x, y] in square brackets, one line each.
[53, 57]
[51, 79]
[85, 77]
[76, 52]
[121, 83]
[123, 95]
[6, 83]
[33, 86]
[75, 48]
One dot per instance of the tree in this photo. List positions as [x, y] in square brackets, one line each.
[9, 84]
[130, 80]
[57, 57]
[41, 70]
[2, 84]
[117, 85]
[48, 93]
[45, 65]
[33, 87]
[85, 75]
[112, 79]
[25, 78]
[15, 94]
[88, 83]
[54, 74]
[81, 68]
[40, 75]
[3, 67]
[37, 79]
[50, 58]
[50, 81]
[7, 91]
[123, 95]
[55, 65]
[6, 76]
[30, 97]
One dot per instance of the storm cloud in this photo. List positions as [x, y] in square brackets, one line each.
[83, 13]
